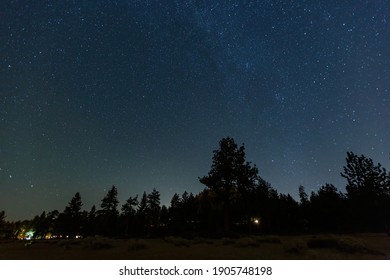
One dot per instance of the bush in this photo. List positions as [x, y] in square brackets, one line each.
[247, 242]
[68, 243]
[268, 239]
[325, 242]
[200, 240]
[135, 245]
[97, 242]
[345, 244]
[228, 241]
[351, 245]
[178, 241]
[295, 247]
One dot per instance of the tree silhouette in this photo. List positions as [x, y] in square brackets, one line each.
[175, 207]
[304, 205]
[39, 223]
[187, 207]
[90, 222]
[142, 215]
[236, 200]
[7, 228]
[287, 219]
[175, 214]
[110, 202]
[164, 217]
[153, 209]
[129, 208]
[364, 176]
[368, 193]
[230, 175]
[71, 218]
[263, 203]
[74, 206]
[2, 219]
[304, 198]
[129, 211]
[327, 209]
[108, 215]
[52, 217]
[3, 224]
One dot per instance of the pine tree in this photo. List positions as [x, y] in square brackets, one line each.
[71, 217]
[2, 219]
[367, 192]
[153, 206]
[129, 211]
[110, 202]
[230, 175]
[109, 213]
[142, 216]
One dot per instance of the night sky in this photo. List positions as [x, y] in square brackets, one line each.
[137, 94]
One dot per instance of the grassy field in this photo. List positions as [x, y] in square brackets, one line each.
[359, 246]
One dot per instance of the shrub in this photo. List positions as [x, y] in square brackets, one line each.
[68, 242]
[247, 242]
[200, 240]
[344, 244]
[178, 241]
[135, 245]
[268, 239]
[325, 242]
[351, 245]
[98, 242]
[295, 247]
[228, 241]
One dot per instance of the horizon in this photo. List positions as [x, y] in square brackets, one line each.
[166, 199]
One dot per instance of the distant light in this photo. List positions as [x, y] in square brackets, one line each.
[256, 221]
[29, 234]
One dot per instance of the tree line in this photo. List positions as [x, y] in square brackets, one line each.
[236, 200]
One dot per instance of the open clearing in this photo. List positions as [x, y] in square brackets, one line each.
[358, 246]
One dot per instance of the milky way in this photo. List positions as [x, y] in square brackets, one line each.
[138, 94]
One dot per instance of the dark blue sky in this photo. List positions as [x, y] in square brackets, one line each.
[138, 94]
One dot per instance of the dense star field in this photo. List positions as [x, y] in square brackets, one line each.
[138, 94]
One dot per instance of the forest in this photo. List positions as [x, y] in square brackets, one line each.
[235, 201]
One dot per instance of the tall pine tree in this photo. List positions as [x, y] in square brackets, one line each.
[230, 175]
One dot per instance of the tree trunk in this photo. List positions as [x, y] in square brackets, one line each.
[226, 218]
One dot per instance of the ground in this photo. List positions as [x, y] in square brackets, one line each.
[358, 246]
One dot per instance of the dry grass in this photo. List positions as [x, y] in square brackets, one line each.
[374, 246]
[178, 241]
[295, 247]
[135, 245]
[247, 242]
[347, 244]
[97, 242]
